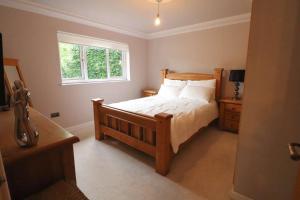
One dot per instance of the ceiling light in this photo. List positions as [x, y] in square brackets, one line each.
[157, 19]
[162, 2]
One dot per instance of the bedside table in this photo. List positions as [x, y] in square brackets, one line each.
[149, 92]
[230, 112]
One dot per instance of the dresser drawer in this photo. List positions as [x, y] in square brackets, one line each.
[232, 107]
[230, 113]
[234, 116]
[231, 125]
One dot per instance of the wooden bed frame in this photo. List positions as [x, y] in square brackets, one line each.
[148, 134]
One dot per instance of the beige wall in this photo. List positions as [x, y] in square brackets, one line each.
[32, 39]
[271, 106]
[200, 51]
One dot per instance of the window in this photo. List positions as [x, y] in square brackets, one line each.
[84, 59]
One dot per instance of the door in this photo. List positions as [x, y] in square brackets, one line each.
[4, 192]
[295, 155]
[270, 118]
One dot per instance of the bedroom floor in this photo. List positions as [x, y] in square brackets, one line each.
[111, 170]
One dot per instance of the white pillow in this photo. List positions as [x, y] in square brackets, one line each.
[205, 83]
[169, 91]
[197, 92]
[174, 82]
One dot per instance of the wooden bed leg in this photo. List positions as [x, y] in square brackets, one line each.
[96, 104]
[163, 143]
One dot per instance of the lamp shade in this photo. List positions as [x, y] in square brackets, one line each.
[237, 75]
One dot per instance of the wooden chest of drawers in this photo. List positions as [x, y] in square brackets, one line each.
[230, 112]
[30, 170]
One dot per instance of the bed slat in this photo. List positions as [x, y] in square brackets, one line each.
[123, 127]
[149, 136]
[137, 144]
[135, 131]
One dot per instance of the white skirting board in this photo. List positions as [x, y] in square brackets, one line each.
[80, 126]
[237, 196]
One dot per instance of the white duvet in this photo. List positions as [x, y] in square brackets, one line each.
[188, 115]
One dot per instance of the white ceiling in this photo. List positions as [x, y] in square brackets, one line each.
[138, 15]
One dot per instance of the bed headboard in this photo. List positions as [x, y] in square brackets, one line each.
[165, 73]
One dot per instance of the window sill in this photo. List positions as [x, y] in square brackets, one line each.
[66, 83]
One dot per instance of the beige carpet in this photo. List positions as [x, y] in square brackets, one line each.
[111, 170]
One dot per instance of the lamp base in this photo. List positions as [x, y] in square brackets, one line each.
[236, 91]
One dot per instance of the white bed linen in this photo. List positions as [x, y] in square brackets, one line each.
[189, 115]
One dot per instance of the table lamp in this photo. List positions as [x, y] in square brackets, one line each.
[237, 76]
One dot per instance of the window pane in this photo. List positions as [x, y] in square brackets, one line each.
[70, 60]
[96, 63]
[115, 63]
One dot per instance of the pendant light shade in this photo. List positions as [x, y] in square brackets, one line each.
[157, 21]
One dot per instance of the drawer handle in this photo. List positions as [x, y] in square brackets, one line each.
[2, 180]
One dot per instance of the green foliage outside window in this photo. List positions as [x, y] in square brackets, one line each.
[96, 61]
[115, 63]
[70, 60]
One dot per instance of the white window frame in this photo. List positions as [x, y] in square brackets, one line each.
[85, 42]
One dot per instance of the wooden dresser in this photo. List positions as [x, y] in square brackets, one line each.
[29, 170]
[230, 112]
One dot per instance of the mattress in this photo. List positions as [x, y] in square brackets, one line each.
[189, 115]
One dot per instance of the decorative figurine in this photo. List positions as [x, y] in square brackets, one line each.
[26, 134]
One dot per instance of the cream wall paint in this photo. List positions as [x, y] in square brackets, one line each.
[200, 51]
[271, 106]
[32, 39]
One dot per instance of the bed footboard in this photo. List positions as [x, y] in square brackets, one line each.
[148, 134]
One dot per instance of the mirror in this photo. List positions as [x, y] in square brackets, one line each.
[12, 72]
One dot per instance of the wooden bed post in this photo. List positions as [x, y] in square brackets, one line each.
[163, 153]
[218, 76]
[163, 75]
[99, 135]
